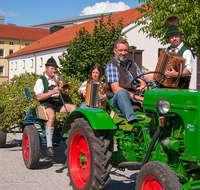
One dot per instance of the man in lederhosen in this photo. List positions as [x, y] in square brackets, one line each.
[47, 93]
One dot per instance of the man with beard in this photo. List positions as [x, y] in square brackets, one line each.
[120, 72]
[47, 93]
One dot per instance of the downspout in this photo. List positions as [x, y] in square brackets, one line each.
[35, 64]
[20, 43]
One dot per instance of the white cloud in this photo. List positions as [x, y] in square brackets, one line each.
[104, 7]
[9, 14]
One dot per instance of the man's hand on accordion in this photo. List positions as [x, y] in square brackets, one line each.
[171, 74]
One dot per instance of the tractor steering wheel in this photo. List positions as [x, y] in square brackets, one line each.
[150, 83]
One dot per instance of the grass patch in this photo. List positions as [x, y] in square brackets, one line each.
[124, 125]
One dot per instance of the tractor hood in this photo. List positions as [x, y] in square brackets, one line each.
[185, 104]
[178, 98]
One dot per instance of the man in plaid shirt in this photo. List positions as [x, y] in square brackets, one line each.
[119, 72]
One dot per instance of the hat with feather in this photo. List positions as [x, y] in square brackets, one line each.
[171, 21]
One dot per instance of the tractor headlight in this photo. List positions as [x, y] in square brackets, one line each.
[163, 106]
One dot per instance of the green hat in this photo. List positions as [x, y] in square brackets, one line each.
[51, 62]
[173, 30]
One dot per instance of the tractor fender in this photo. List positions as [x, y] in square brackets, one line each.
[98, 119]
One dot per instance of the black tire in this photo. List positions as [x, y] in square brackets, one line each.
[92, 172]
[31, 147]
[158, 175]
[2, 139]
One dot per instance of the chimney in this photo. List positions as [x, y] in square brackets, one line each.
[2, 18]
[55, 28]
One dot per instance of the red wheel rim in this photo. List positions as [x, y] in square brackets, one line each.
[151, 183]
[79, 159]
[26, 146]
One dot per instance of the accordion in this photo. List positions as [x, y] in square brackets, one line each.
[92, 97]
[166, 61]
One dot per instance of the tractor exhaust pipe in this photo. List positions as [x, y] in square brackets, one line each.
[138, 165]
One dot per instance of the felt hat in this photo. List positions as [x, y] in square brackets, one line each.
[173, 30]
[51, 62]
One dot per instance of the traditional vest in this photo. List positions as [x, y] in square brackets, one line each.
[45, 84]
[124, 79]
[181, 51]
[184, 81]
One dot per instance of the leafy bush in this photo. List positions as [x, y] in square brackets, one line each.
[14, 104]
[13, 101]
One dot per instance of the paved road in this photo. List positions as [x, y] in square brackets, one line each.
[51, 173]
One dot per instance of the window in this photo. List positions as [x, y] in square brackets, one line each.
[24, 64]
[11, 65]
[11, 43]
[26, 44]
[31, 63]
[1, 71]
[1, 52]
[1, 42]
[15, 65]
[11, 51]
[41, 62]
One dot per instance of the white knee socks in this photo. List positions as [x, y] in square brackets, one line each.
[49, 135]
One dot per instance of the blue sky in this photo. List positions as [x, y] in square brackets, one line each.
[25, 12]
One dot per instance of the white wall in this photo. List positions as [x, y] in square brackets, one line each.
[34, 62]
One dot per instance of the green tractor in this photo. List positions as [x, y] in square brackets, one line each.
[164, 145]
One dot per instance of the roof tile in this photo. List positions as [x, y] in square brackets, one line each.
[17, 32]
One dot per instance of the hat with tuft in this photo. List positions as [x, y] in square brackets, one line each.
[173, 30]
[51, 62]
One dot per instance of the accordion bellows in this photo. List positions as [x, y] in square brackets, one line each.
[165, 62]
[92, 97]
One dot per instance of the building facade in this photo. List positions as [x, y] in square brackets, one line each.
[12, 39]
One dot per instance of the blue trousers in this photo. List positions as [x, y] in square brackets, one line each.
[122, 101]
[83, 105]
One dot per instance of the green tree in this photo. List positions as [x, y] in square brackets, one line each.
[87, 50]
[158, 10]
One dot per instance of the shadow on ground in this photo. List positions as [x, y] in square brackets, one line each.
[125, 182]
[59, 158]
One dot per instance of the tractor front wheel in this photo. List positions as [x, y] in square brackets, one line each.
[158, 176]
[2, 139]
[87, 157]
[31, 147]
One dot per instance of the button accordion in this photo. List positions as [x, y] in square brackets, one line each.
[92, 97]
[166, 61]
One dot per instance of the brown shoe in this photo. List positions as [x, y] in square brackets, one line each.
[50, 151]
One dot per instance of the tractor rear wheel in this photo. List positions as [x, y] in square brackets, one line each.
[31, 146]
[2, 139]
[87, 157]
[158, 176]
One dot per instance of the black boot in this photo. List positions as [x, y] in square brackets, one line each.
[50, 151]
